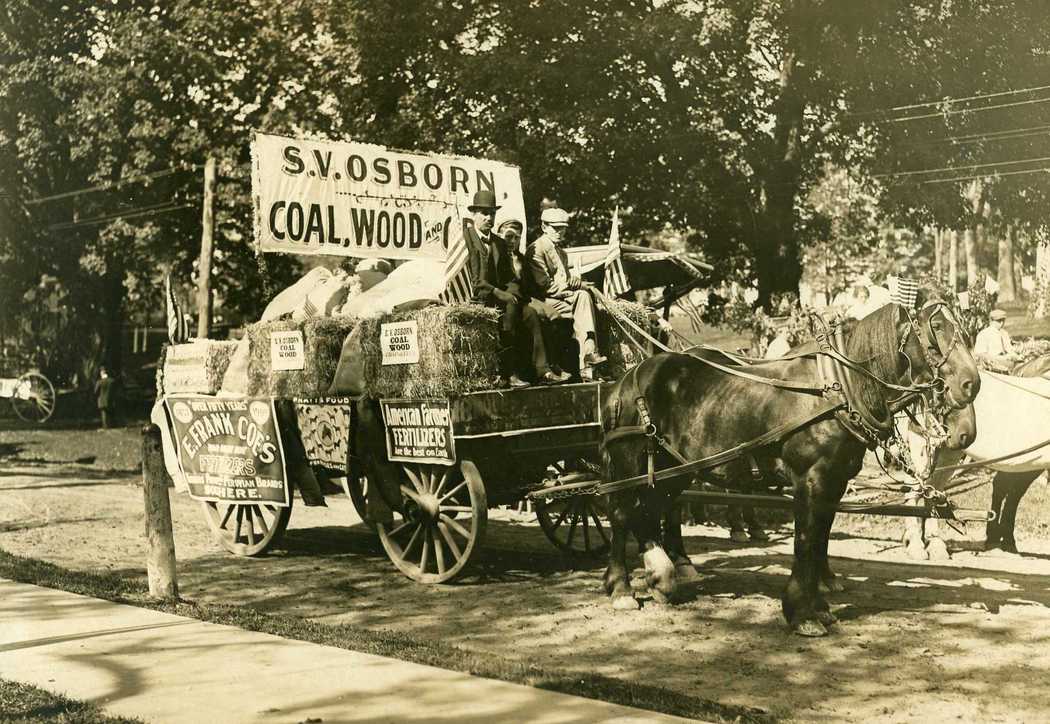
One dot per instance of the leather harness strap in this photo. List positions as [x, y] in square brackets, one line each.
[691, 468]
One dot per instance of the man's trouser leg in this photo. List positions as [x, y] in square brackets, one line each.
[583, 321]
[508, 339]
[534, 329]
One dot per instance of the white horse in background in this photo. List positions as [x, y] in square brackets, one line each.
[1013, 438]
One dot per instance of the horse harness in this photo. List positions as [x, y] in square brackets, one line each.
[836, 387]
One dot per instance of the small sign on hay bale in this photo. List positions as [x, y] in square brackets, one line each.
[458, 353]
[196, 366]
[322, 342]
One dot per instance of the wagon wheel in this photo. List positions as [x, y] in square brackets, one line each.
[575, 524]
[246, 529]
[356, 488]
[442, 522]
[34, 399]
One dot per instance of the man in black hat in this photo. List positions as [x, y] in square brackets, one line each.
[491, 269]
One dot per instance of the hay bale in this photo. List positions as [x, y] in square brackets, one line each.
[614, 342]
[196, 366]
[458, 353]
[322, 341]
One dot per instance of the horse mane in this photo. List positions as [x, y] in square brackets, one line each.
[873, 344]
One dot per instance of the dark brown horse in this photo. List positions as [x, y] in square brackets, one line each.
[698, 410]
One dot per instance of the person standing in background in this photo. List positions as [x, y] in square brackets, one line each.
[105, 396]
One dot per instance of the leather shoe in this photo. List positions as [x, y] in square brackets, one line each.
[593, 358]
[551, 378]
[517, 383]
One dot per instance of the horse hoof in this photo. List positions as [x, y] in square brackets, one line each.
[811, 629]
[832, 586]
[739, 536]
[917, 553]
[758, 535]
[827, 618]
[686, 572]
[625, 603]
[937, 550]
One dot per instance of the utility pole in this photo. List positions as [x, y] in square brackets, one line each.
[204, 267]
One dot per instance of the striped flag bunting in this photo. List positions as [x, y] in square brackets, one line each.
[457, 277]
[178, 323]
[615, 278]
[905, 292]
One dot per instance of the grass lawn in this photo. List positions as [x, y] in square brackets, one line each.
[78, 447]
[132, 589]
[26, 704]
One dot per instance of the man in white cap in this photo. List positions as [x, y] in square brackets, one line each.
[561, 290]
[993, 347]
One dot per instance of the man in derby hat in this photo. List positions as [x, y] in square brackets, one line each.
[491, 268]
[562, 292]
[993, 347]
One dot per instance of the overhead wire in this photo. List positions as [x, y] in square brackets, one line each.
[895, 174]
[943, 101]
[143, 211]
[115, 184]
[942, 114]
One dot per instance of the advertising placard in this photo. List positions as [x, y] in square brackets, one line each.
[419, 431]
[229, 450]
[361, 200]
[286, 350]
[400, 342]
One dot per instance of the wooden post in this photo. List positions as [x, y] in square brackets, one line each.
[160, 556]
[204, 267]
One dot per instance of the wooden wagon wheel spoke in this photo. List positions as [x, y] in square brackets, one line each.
[413, 478]
[439, 552]
[586, 533]
[234, 525]
[412, 494]
[572, 527]
[452, 492]
[432, 553]
[444, 479]
[262, 520]
[457, 508]
[562, 517]
[598, 527]
[226, 518]
[455, 526]
[426, 550]
[449, 539]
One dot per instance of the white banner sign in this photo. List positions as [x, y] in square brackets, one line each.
[356, 199]
[400, 342]
[286, 350]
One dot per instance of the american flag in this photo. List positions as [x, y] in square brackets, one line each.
[905, 292]
[457, 277]
[615, 279]
[178, 323]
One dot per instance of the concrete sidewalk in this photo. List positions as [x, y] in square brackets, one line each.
[164, 668]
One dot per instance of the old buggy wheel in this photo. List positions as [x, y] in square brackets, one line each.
[575, 524]
[246, 529]
[442, 522]
[34, 399]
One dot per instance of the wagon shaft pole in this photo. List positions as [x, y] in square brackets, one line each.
[160, 555]
[774, 501]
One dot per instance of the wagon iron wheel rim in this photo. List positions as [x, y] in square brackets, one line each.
[576, 524]
[441, 523]
[41, 402]
[246, 529]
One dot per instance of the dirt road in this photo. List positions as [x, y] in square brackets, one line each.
[962, 640]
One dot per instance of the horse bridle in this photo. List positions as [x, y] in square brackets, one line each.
[927, 339]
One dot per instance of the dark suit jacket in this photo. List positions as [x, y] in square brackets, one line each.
[490, 266]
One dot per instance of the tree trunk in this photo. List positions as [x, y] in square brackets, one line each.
[1007, 290]
[777, 262]
[953, 260]
[970, 256]
[1042, 279]
[938, 252]
[112, 322]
